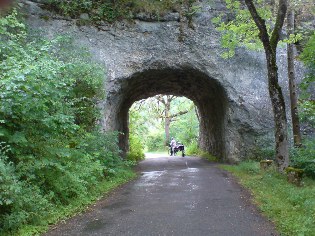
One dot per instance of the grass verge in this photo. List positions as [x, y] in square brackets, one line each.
[77, 205]
[291, 208]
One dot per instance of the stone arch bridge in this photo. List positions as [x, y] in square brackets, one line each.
[144, 58]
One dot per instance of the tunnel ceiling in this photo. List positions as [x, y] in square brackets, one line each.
[208, 95]
[180, 82]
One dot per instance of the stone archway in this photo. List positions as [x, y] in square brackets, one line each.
[206, 92]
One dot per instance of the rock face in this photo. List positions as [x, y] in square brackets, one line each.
[145, 58]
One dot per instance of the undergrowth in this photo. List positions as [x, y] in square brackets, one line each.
[291, 208]
[304, 158]
[136, 150]
[62, 212]
[111, 11]
[194, 150]
[300, 157]
[52, 153]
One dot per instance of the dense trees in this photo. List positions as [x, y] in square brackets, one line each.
[258, 24]
[51, 152]
[156, 119]
[251, 29]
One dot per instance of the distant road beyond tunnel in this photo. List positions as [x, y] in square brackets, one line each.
[173, 196]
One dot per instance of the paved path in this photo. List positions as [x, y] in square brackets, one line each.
[173, 196]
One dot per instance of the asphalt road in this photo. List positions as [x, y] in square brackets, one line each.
[173, 196]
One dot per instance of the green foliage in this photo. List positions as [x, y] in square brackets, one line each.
[307, 55]
[136, 149]
[291, 208]
[307, 102]
[111, 11]
[263, 150]
[51, 152]
[181, 131]
[240, 30]
[155, 141]
[147, 122]
[208, 156]
[249, 167]
[193, 150]
[307, 111]
[304, 158]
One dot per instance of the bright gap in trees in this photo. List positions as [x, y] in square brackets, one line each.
[153, 121]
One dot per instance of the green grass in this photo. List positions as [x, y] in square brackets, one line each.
[291, 208]
[194, 150]
[78, 205]
[208, 156]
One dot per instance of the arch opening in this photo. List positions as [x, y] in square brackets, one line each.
[207, 94]
[154, 121]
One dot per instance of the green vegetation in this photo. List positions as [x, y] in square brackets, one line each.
[291, 208]
[53, 159]
[80, 204]
[255, 25]
[136, 147]
[241, 31]
[111, 11]
[304, 158]
[194, 150]
[147, 123]
[307, 101]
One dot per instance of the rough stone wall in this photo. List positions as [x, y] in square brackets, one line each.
[146, 58]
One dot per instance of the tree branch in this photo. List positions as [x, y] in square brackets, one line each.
[275, 36]
[160, 98]
[270, 43]
[171, 97]
[178, 114]
[260, 23]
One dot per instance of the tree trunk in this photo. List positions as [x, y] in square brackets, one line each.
[167, 120]
[278, 105]
[167, 131]
[270, 45]
[292, 84]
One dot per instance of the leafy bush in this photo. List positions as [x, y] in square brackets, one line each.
[192, 148]
[155, 141]
[186, 133]
[136, 149]
[263, 149]
[51, 151]
[304, 158]
[262, 153]
[307, 100]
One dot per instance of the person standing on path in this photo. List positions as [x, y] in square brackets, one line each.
[172, 145]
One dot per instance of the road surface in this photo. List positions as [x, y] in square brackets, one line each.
[173, 196]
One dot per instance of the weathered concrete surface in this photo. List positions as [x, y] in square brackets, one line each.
[145, 58]
[173, 196]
